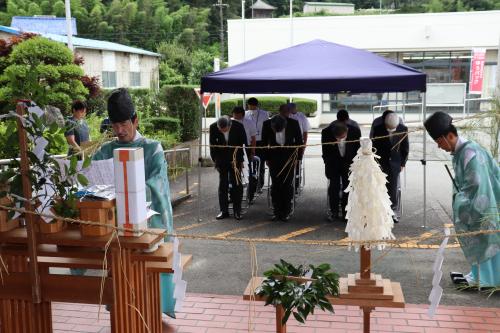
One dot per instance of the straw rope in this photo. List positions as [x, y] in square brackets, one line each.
[394, 243]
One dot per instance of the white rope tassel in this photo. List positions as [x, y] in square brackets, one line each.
[369, 212]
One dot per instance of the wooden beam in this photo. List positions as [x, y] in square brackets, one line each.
[58, 288]
[30, 219]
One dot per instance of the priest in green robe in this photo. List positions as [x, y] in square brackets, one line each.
[476, 201]
[124, 123]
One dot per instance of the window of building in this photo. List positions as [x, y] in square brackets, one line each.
[109, 79]
[135, 79]
[109, 69]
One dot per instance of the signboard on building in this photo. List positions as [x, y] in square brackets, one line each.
[477, 71]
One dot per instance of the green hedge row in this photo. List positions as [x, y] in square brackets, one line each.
[271, 104]
[172, 109]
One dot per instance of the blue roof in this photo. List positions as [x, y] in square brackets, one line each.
[84, 43]
[43, 24]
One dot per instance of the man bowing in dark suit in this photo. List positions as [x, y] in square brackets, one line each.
[393, 151]
[338, 153]
[225, 132]
[281, 131]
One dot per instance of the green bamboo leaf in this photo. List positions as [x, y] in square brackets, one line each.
[82, 179]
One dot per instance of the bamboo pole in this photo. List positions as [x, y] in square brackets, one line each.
[30, 218]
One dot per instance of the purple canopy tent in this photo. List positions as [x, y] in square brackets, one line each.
[318, 66]
[315, 67]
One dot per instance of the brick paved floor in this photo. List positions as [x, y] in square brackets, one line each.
[224, 314]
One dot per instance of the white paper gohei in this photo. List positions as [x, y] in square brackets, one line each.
[134, 167]
[137, 210]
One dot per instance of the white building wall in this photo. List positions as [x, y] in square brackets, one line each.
[148, 66]
[377, 33]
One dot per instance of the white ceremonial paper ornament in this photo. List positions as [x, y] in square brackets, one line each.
[368, 211]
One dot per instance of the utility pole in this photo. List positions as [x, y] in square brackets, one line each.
[221, 6]
[69, 24]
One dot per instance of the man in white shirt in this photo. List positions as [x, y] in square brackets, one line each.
[251, 132]
[304, 128]
[258, 116]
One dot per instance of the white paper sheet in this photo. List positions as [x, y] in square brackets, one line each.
[100, 172]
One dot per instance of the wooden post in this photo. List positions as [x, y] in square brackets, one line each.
[365, 263]
[366, 319]
[365, 273]
[280, 328]
[30, 219]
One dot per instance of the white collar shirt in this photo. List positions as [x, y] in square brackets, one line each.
[303, 122]
[341, 145]
[258, 117]
[137, 136]
[250, 128]
[280, 137]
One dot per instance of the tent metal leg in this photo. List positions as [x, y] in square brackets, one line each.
[200, 158]
[424, 161]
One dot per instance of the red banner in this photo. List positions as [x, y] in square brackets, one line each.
[477, 71]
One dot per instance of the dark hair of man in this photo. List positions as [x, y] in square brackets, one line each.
[339, 129]
[284, 108]
[238, 110]
[386, 112]
[342, 115]
[223, 122]
[451, 129]
[253, 101]
[78, 105]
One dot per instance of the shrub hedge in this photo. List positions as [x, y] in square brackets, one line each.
[181, 102]
[268, 103]
[165, 124]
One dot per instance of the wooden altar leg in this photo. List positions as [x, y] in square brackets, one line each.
[366, 319]
[154, 314]
[365, 263]
[280, 328]
[21, 315]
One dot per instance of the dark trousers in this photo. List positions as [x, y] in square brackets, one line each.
[392, 184]
[261, 154]
[282, 187]
[252, 177]
[228, 182]
[338, 182]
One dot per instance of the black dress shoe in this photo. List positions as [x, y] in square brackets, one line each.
[222, 215]
[286, 218]
[237, 215]
[275, 217]
[395, 219]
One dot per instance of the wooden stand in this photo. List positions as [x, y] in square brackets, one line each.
[5, 223]
[102, 211]
[369, 290]
[364, 289]
[50, 228]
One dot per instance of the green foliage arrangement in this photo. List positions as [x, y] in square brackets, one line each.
[61, 178]
[268, 103]
[41, 70]
[299, 298]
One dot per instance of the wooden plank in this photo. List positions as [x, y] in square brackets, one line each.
[255, 281]
[58, 288]
[186, 260]
[397, 302]
[163, 254]
[159, 267]
[72, 237]
[70, 262]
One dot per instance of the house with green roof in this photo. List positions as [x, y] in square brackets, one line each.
[116, 65]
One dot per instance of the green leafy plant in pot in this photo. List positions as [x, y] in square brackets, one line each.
[299, 290]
